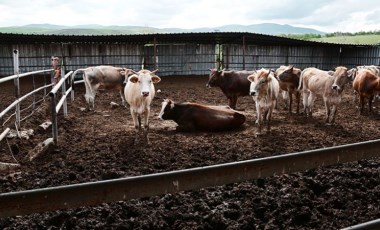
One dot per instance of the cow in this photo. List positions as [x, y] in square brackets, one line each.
[106, 77]
[264, 90]
[139, 93]
[288, 77]
[367, 85]
[233, 83]
[199, 117]
[315, 82]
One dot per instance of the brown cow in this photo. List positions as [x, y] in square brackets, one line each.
[107, 77]
[366, 84]
[233, 83]
[198, 117]
[289, 78]
[315, 82]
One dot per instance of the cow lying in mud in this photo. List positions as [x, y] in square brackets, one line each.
[105, 77]
[198, 117]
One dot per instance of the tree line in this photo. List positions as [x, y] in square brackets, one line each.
[335, 34]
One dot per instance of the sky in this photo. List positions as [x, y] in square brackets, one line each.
[324, 15]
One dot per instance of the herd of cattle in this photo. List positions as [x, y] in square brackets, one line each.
[265, 86]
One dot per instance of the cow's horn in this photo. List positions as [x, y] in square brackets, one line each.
[155, 71]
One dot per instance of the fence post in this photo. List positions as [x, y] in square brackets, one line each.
[17, 85]
[54, 118]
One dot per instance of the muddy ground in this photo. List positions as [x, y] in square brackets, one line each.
[99, 145]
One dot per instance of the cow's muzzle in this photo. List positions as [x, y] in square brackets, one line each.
[145, 94]
[252, 93]
[335, 87]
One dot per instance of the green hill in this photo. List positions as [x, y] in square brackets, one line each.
[369, 39]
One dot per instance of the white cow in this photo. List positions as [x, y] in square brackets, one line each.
[316, 82]
[106, 77]
[139, 93]
[264, 90]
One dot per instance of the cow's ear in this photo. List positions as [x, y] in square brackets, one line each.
[154, 72]
[133, 79]
[156, 79]
[251, 78]
[290, 69]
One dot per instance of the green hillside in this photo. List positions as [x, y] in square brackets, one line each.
[370, 39]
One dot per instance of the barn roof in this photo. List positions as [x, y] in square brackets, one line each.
[166, 38]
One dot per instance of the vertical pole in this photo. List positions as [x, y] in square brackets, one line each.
[54, 118]
[244, 52]
[17, 85]
[64, 93]
[155, 53]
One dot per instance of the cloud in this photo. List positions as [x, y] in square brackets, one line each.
[325, 15]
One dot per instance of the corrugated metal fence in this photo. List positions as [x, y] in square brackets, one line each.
[185, 59]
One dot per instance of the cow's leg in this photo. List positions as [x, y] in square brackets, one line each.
[146, 124]
[361, 103]
[87, 94]
[305, 100]
[328, 110]
[310, 102]
[290, 101]
[298, 97]
[370, 99]
[259, 117]
[333, 113]
[233, 101]
[285, 96]
[122, 97]
[135, 118]
[92, 94]
[269, 117]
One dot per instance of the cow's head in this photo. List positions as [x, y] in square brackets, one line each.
[126, 73]
[167, 107]
[215, 78]
[259, 82]
[145, 79]
[352, 73]
[341, 77]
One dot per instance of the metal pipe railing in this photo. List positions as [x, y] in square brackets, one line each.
[94, 193]
[55, 107]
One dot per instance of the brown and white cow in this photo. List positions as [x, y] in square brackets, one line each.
[315, 82]
[367, 85]
[102, 77]
[264, 90]
[199, 117]
[139, 93]
[233, 83]
[289, 77]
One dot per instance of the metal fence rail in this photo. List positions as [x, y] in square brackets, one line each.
[370, 225]
[72, 196]
[55, 107]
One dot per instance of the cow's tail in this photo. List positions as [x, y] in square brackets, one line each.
[73, 78]
[75, 73]
[301, 80]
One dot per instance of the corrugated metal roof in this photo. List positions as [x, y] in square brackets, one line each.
[167, 38]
